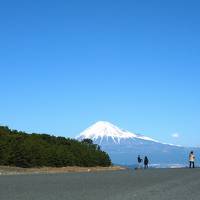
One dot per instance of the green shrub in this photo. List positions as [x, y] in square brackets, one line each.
[36, 150]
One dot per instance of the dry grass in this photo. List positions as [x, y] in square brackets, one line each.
[7, 170]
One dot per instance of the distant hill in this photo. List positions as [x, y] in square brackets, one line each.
[35, 150]
[123, 146]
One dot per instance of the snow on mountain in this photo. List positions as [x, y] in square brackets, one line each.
[104, 130]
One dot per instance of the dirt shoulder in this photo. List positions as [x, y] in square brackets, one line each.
[7, 170]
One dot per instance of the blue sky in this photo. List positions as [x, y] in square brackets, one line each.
[67, 64]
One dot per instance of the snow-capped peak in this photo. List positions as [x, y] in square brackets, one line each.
[104, 129]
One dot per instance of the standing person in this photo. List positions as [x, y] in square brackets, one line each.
[146, 162]
[139, 161]
[191, 159]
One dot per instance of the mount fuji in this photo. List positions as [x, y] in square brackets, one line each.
[123, 146]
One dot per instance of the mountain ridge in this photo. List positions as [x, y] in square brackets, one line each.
[123, 146]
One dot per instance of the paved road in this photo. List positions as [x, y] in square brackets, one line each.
[162, 184]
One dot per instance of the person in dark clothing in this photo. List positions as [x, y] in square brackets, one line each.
[146, 162]
[139, 161]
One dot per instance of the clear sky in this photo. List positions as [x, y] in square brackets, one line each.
[67, 64]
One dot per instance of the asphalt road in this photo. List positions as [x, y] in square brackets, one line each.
[159, 184]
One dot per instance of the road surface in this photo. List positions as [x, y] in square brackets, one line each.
[153, 184]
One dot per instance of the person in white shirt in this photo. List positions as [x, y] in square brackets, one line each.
[191, 159]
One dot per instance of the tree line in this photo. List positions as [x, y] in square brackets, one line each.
[20, 149]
